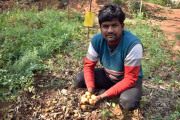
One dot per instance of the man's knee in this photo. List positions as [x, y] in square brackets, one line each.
[128, 103]
[79, 80]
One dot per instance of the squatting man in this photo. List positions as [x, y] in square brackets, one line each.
[120, 53]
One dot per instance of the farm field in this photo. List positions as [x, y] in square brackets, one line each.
[42, 49]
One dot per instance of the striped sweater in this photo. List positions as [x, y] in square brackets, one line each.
[122, 65]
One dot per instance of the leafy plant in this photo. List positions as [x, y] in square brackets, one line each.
[160, 2]
[119, 1]
[106, 113]
[178, 36]
[27, 38]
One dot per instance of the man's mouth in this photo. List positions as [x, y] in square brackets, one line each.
[110, 35]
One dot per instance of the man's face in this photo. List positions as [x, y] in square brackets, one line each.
[112, 30]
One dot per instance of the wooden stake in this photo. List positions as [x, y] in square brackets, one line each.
[88, 27]
[141, 7]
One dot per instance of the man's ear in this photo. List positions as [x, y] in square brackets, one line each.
[122, 25]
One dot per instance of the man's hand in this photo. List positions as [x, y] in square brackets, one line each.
[98, 101]
[91, 90]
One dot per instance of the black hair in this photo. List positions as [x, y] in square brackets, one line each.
[111, 11]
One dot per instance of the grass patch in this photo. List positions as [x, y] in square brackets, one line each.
[27, 38]
[177, 36]
[155, 56]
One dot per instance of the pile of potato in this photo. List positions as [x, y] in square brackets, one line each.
[87, 99]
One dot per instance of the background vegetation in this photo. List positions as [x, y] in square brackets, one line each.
[134, 5]
[27, 39]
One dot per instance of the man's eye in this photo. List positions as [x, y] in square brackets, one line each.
[105, 26]
[115, 25]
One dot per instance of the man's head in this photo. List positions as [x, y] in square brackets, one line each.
[111, 20]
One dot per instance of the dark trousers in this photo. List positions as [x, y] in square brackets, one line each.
[128, 100]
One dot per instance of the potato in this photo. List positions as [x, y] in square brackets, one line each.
[91, 102]
[52, 111]
[68, 115]
[48, 102]
[61, 117]
[76, 115]
[79, 117]
[47, 110]
[84, 100]
[88, 97]
[88, 93]
[54, 102]
[46, 114]
[67, 109]
[84, 96]
[55, 116]
[94, 97]
[83, 107]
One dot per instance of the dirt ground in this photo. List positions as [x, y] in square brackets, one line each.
[62, 102]
[169, 21]
[171, 27]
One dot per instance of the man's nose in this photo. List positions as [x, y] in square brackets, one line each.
[110, 29]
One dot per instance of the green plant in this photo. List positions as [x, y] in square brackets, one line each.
[135, 7]
[174, 116]
[159, 2]
[106, 113]
[158, 117]
[177, 36]
[119, 1]
[156, 80]
[174, 82]
[27, 38]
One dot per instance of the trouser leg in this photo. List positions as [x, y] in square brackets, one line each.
[130, 99]
[101, 80]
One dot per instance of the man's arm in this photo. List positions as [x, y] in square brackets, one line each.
[89, 74]
[89, 65]
[132, 65]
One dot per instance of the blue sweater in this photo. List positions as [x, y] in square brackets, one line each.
[114, 62]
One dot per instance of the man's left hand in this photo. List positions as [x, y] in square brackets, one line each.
[98, 101]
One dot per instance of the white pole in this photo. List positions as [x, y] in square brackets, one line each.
[141, 7]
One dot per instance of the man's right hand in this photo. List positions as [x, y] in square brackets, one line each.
[91, 90]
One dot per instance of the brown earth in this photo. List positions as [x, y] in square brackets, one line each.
[171, 27]
[169, 22]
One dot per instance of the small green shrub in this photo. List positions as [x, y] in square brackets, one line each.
[29, 37]
[177, 36]
[119, 1]
[159, 2]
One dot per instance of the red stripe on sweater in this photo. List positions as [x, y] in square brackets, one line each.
[89, 72]
[130, 78]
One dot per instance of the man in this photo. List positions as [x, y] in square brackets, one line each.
[120, 53]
